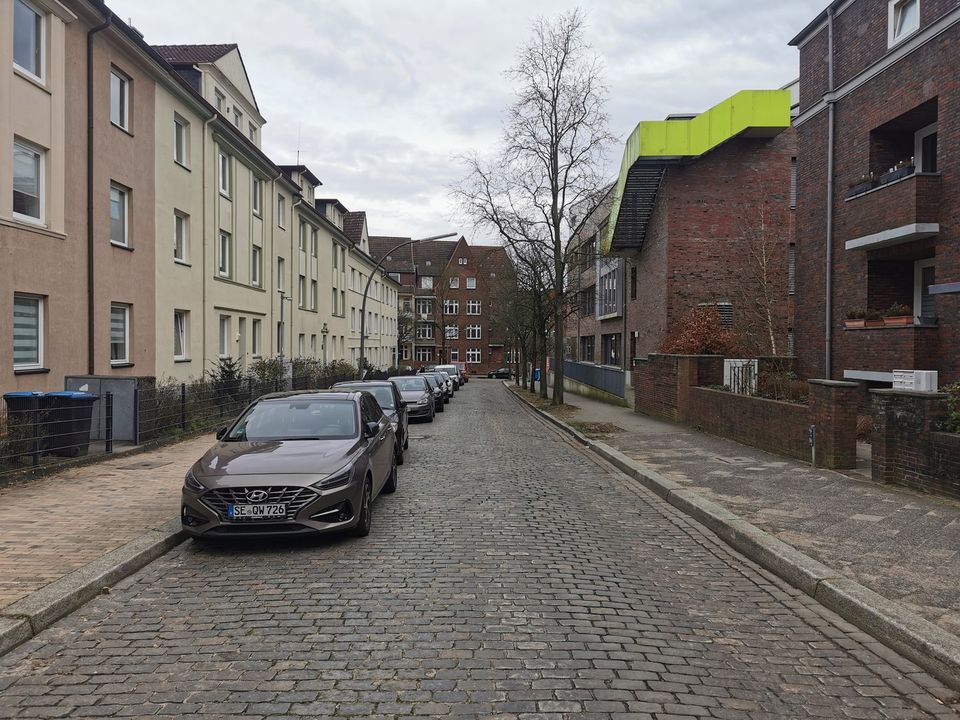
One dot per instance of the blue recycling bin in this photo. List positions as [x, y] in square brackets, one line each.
[71, 414]
[536, 374]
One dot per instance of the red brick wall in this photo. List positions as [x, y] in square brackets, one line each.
[813, 70]
[647, 315]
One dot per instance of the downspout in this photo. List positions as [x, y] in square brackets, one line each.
[295, 229]
[831, 119]
[273, 254]
[203, 253]
[91, 303]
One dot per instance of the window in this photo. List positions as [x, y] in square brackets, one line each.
[313, 294]
[925, 149]
[633, 283]
[27, 332]
[903, 19]
[303, 236]
[425, 331]
[223, 174]
[313, 242]
[281, 274]
[179, 334]
[255, 333]
[426, 282]
[181, 235]
[336, 254]
[792, 269]
[181, 140]
[793, 183]
[219, 100]
[224, 349]
[256, 265]
[462, 261]
[452, 332]
[237, 118]
[281, 211]
[225, 253]
[474, 356]
[454, 283]
[257, 196]
[473, 307]
[473, 332]
[791, 343]
[119, 206]
[28, 182]
[424, 308]
[424, 354]
[252, 132]
[301, 344]
[451, 307]
[610, 292]
[353, 319]
[302, 292]
[343, 303]
[454, 355]
[923, 305]
[119, 99]
[313, 345]
[28, 38]
[119, 334]
[471, 283]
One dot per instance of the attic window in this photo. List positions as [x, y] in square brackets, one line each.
[429, 263]
[389, 258]
[463, 261]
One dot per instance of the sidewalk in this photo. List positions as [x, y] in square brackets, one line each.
[901, 544]
[56, 524]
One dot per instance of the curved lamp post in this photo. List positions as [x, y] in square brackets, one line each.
[363, 305]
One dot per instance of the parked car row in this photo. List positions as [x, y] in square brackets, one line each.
[308, 462]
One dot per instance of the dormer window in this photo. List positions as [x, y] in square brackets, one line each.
[903, 19]
[220, 98]
[238, 118]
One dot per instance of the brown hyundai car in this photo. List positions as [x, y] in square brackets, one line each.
[293, 463]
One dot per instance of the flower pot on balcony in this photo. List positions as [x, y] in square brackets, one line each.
[854, 323]
[873, 323]
[897, 174]
[861, 188]
[898, 321]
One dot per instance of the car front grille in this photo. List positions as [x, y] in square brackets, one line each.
[295, 498]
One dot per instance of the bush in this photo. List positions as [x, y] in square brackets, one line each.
[785, 386]
[952, 421]
[701, 332]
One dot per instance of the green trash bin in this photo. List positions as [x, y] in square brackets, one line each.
[71, 415]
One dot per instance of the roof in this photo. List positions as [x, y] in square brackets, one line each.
[193, 54]
[815, 23]
[331, 201]
[303, 170]
[353, 225]
[401, 261]
[435, 252]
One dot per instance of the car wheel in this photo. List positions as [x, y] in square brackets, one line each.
[440, 409]
[398, 454]
[390, 486]
[362, 528]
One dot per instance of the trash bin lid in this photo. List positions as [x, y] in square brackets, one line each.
[73, 395]
[24, 394]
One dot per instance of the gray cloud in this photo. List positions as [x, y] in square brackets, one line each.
[384, 94]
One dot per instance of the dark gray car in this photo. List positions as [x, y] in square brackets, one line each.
[416, 393]
[439, 395]
[293, 463]
[392, 404]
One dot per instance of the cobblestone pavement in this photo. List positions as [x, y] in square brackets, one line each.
[511, 576]
[54, 525]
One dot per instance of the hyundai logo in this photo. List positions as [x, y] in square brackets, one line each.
[257, 496]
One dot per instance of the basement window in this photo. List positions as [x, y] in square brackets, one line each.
[903, 19]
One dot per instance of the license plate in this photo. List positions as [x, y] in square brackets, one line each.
[241, 512]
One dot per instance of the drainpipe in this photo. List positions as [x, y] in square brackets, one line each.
[203, 249]
[91, 304]
[831, 119]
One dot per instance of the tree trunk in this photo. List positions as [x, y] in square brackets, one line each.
[558, 353]
[533, 364]
[544, 385]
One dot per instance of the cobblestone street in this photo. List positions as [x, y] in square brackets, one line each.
[511, 576]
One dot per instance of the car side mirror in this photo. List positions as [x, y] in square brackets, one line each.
[371, 429]
[403, 403]
[221, 432]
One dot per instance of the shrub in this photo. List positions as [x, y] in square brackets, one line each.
[952, 421]
[785, 386]
[701, 332]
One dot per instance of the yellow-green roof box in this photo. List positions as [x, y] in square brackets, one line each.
[754, 113]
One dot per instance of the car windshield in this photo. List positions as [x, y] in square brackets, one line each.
[382, 393]
[449, 370]
[409, 384]
[297, 419]
[431, 381]
[445, 375]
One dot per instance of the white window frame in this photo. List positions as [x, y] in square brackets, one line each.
[42, 49]
[224, 173]
[224, 259]
[237, 118]
[426, 282]
[223, 351]
[474, 332]
[474, 356]
[462, 261]
[301, 344]
[181, 236]
[424, 354]
[257, 201]
[314, 241]
[281, 273]
[281, 212]
[40, 300]
[180, 333]
[424, 331]
[918, 267]
[256, 329]
[893, 13]
[302, 292]
[313, 345]
[454, 283]
[181, 141]
[313, 295]
[451, 307]
[252, 131]
[918, 139]
[471, 285]
[218, 100]
[471, 304]
[125, 198]
[41, 156]
[125, 360]
[256, 266]
[421, 303]
[454, 354]
[125, 83]
[452, 332]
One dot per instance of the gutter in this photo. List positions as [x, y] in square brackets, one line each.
[91, 300]
[828, 277]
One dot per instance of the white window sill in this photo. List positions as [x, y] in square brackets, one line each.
[182, 359]
[182, 165]
[185, 263]
[29, 220]
[35, 80]
[121, 246]
[121, 128]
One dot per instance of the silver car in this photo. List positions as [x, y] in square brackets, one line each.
[291, 464]
[418, 396]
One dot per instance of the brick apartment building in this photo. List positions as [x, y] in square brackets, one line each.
[450, 287]
[700, 201]
[887, 99]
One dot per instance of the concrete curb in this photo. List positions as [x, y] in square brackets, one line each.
[29, 616]
[924, 643]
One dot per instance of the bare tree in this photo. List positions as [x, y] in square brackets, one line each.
[551, 158]
[406, 330]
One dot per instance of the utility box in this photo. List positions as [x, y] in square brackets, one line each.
[916, 380]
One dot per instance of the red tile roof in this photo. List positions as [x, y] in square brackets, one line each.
[353, 225]
[193, 54]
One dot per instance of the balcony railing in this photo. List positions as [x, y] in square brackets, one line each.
[889, 348]
[900, 211]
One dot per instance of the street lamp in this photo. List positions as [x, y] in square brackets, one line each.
[324, 331]
[363, 305]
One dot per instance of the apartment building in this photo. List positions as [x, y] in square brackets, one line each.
[877, 191]
[702, 215]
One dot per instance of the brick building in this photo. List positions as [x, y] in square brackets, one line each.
[884, 105]
[450, 287]
[702, 216]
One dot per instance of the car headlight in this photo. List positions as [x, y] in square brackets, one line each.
[339, 478]
[192, 484]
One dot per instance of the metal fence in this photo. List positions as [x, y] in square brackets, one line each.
[609, 379]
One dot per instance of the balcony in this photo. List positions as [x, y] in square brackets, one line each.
[873, 353]
[893, 213]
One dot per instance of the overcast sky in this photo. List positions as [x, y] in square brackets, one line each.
[382, 94]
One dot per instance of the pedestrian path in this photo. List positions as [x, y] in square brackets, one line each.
[899, 543]
[56, 524]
